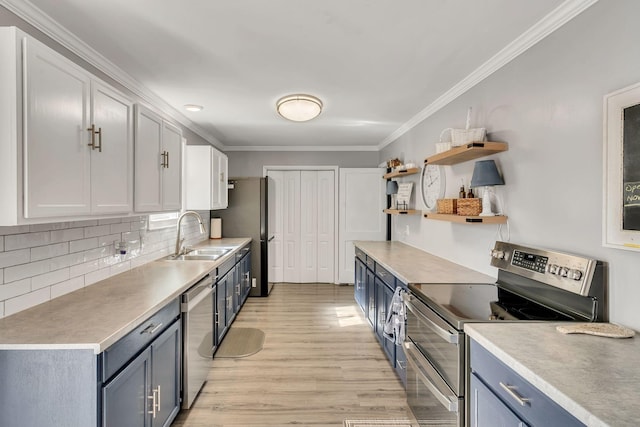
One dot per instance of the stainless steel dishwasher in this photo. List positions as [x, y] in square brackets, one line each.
[197, 333]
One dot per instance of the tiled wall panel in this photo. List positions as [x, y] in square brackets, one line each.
[45, 261]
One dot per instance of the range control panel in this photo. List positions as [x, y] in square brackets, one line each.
[566, 271]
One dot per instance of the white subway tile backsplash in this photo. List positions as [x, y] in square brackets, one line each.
[49, 251]
[26, 270]
[67, 235]
[83, 244]
[49, 279]
[109, 240]
[100, 230]
[11, 258]
[26, 301]
[17, 229]
[14, 289]
[67, 286]
[44, 261]
[107, 221]
[26, 240]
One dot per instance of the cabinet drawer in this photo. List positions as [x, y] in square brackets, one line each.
[370, 263]
[242, 252]
[388, 278]
[529, 403]
[361, 255]
[122, 351]
[226, 267]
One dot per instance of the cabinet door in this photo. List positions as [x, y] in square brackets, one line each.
[223, 197]
[56, 113]
[221, 311]
[198, 175]
[148, 161]
[172, 170]
[125, 399]
[165, 376]
[360, 289]
[231, 290]
[246, 275]
[489, 411]
[370, 284]
[112, 163]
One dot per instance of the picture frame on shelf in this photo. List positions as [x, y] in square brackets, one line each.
[621, 156]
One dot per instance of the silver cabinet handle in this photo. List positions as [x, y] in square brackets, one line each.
[95, 132]
[159, 398]
[153, 403]
[523, 401]
[151, 329]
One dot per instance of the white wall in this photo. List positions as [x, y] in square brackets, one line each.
[547, 104]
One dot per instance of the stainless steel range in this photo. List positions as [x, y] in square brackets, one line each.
[532, 285]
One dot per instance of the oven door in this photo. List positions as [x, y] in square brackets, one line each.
[441, 343]
[430, 399]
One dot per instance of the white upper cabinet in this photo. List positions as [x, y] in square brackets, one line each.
[172, 168]
[112, 160]
[158, 163]
[57, 159]
[206, 177]
[66, 137]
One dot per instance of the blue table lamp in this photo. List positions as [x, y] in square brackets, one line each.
[485, 174]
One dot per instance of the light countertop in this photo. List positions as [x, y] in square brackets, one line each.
[413, 266]
[97, 316]
[596, 379]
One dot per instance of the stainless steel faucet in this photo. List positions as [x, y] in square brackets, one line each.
[178, 240]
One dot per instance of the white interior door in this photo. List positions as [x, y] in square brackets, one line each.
[326, 226]
[361, 216]
[309, 226]
[276, 227]
[291, 226]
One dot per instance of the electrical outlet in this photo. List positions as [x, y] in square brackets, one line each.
[406, 230]
[253, 282]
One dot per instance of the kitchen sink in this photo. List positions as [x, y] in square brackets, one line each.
[202, 254]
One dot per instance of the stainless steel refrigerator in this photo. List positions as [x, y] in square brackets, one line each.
[248, 216]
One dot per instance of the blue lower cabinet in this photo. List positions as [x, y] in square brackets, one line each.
[146, 393]
[499, 393]
[489, 411]
[360, 286]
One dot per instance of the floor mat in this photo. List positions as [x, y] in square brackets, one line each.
[377, 423]
[241, 342]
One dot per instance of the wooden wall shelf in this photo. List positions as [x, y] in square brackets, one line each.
[498, 219]
[402, 212]
[466, 152]
[398, 174]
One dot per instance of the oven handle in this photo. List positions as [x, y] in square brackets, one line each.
[443, 333]
[413, 355]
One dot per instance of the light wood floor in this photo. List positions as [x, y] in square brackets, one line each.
[320, 364]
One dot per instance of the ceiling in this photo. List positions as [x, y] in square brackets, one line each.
[375, 64]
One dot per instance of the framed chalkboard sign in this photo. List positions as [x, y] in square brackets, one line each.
[621, 228]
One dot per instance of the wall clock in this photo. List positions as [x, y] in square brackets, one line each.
[432, 185]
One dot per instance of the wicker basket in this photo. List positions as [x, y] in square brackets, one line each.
[446, 206]
[469, 207]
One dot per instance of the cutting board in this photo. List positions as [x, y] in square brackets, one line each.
[609, 330]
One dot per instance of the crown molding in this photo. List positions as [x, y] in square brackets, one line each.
[300, 148]
[44, 23]
[547, 25]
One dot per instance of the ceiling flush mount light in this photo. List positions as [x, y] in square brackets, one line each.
[299, 108]
[193, 107]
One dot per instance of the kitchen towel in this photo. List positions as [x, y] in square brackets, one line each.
[216, 228]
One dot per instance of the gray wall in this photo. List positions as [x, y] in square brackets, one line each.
[548, 105]
[250, 163]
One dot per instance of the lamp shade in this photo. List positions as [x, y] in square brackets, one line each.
[299, 108]
[392, 187]
[485, 173]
